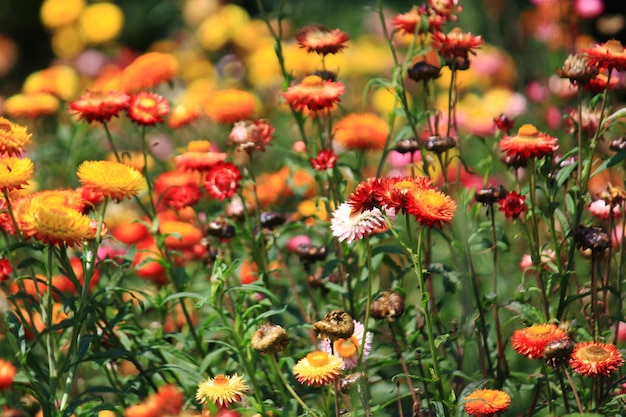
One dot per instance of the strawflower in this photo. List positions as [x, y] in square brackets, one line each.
[595, 359]
[230, 106]
[512, 205]
[318, 368]
[5, 269]
[531, 341]
[429, 206]
[222, 390]
[31, 106]
[360, 131]
[7, 373]
[222, 180]
[456, 43]
[15, 173]
[528, 143]
[486, 402]
[112, 179]
[99, 106]
[347, 349]
[13, 138]
[314, 94]
[351, 226]
[251, 135]
[183, 115]
[149, 70]
[198, 157]
[321, 40]
[325, 160]
[608, 55]
[147, 109]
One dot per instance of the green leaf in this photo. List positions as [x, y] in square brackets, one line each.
[527, 312]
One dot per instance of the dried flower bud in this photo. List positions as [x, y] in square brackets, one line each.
[309, 253]
[594, 238]
[503, 123]
[235, 209]
[514, 161]
[271, 220]
[577, 69]
[613, 196]
[490, 195]
[409, 145]
[348, 381]
[335, 325]
[618, 144]
[557, 352]
[220, 229]
[388, 306]
[439, 144]
[423, 71]
[270, 338]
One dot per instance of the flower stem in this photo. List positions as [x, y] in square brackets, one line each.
[274, 363]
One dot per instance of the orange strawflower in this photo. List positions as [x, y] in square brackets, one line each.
[182, 116]
[486, 402]
[532, 340]
[318, 368]
[528, 143]
[456, 43]
[222, 390]
[100, 106]
[7, 373]
[595, 358]
[608, 55]
[31, 106]
[15, 173]
[230, 106]
[314, 94]
[407, 22]
[198, 157]
[147, 109]
[13, 138]
[170, 399]
[112, 179]
[429, 206]
[321, 40]
[176, 189]
[180, 235]
[361, 131]
[148, 70]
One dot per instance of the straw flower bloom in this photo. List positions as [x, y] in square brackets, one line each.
[112, 179]
[407, 22]
[147, 108]
[57, 13]
[7, 373]
[183, 115]
[99, 106]
[595, 358]
[321, 40]
[198, 156]
[512, 205]
[362, 131]
[456, 43]
[222, 180]
[314, 93]
[429, 206]
[149, 70]
[349, 225]
[31, 106]
[486, 402]
[347, 349]
[318, 368]
[230, 106]
[608, 55]
[13, 138]
[325, 160]
[15, 173]
[531, 341]
[528, 143]
[222, 390]
[101, 22]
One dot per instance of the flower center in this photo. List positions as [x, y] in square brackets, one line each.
[538, 331]
[345, 347]
[404, 186]
[318, 359]
[220, 381]
[595, 353]
[614, 46]
[198, 146]
[312, 81]
[527, 130]
[147, 102]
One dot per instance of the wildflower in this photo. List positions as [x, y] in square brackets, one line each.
[603, 211]
[486, 402]
[595, 358]
[346, 224]
[101, 22]
[7, 373]
[445, 8]
[230, 106]
[361, 131]
[5, 269]
[179, 235]
[408, 22]
[149, 70]
[325, 159]
[198, 157]
[388, 306]
[31, 106]
[348, 348]
[321, 40]
[170, 400]
[529, 143]
[531, 341]
[147, 109]
[182, 116]
[314, 94]
[577, 69]
[557, 352]
[269, 338]
[58, 13]
[15, 173]
[112, 179]
[222, 180]
[100, 106]
[600, 82]
[590, 121]
[222, 390]
[318, 368]
[512, 205]
[430, 207]
[503, 123]
[336, 324]
[609, 55]
[456, 44]
[249, 136]
[13, 138]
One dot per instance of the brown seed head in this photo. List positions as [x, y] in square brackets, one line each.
[270, 338]
[388, 306]
[335, 325]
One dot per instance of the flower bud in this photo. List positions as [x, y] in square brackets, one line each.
[557, 352]
[270, 338]
[388, 306]
[335, 325]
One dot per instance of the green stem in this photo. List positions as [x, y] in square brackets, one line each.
[281, 375]
[110, 139]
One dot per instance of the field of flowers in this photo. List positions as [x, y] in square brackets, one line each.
[260, 218]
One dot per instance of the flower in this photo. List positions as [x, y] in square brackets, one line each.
[230, 106]
[609, 55]
[314, 94]
[15, 173]
[222, 390]
[325, 159]
[13, 138]
[58, 13]
[503, 123]
[101, 22]
[7, 373]
[486, 402]
[532, 340]
[528, 143]
[456, 43]
[149, 70]
[349, 225]
[222, 180]
[183, 115]
[595, 358]
[318, 368]
[321, 40]
[362, 131]
[250, 136]
[198, 157]
[5, 269]
[335, 324]
[577, 69]
[408, 22]
[348, 348]
[100, 106]
[512, 205]
[603, 211]
[429, 206]
[113, 179]
[147, 108]
[179, 234]
[31, 106]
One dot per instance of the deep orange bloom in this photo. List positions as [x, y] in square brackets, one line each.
[170, 400]
[130, 232]
[176, 189]
[608, 55]
[182, 116]
[180, 235]
[148, 70]
[100, 106]
[147, 108]
[31, 106]
[456, 43]
[529, 143]
[361, 131]
[321, 40]
[600, 81]
[429, 206]
[7, 373]
[230, 106]
[486, 402]
[532, 340]
[13, 138]
[314, 93]
[595, 358]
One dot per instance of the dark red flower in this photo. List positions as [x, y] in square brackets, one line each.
[512, 205]
[326, 159]
[222, 180]
[608, 55]
[5, 269]
[180, 196]
[99, 106]
[147, 108]
[503, 123]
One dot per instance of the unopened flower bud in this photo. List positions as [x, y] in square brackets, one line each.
[490, 195]
[439, 144]
[422, 71]
[409, 145]
[594, 238]
[388, 306]
[270, 338]
[271, 220]
[221, 229]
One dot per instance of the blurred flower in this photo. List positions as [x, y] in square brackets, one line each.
[31, 106]
[348, 348]
[57, 13]
[486, 402]
[182, 115]
[590, 121]
[603, 211]
[147, 109]
[101, 22]
[360, 131]
[15, 173]
[67, 42]
[577, 69]
[599, 82]
[59, 80]
[230, 106]
[512, 205]
[429, 206]
[5, 269]
[596, 358]
[148, 70]
[531, 341]
[456, 44]
[318, 368]
[409, 22]
[113, 179]
[249, 136]
[269, 338]
[99, 106]
[588, 9]
[198, 157]
[529, 143]
[608, 55]
[325, 159]
[222, 180]
[13, 138]
[321, 40]
[314, 94]
[179, 235]
[446, 8]
[7, 373]
[346, 224]
[222, 390]
[388, 306]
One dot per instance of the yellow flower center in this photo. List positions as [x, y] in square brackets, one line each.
[528, 130]
[198, 146]
[221, 381]
[346, 347]
[539, 330]
[404, 186]
[318, 358]
[595, 353]
[147, 102]
[312, 81]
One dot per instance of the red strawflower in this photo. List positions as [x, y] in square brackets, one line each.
[321, 40]
[91, 198]
[512, 205]
[531, 341]
[147, 109]
[599, 82]
[5, 269]
[222, 180]
[456, 44]
[503, 123]
[608, 55]
[446, 8]
[408, 22]
[325, 159]
[528, 143]
[250, 136]
[314, 93]
[179, 196]
[100, 106]
[595, 358]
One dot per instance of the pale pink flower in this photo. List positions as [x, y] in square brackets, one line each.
[601, 210]
[350, 226]
[348, 349]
